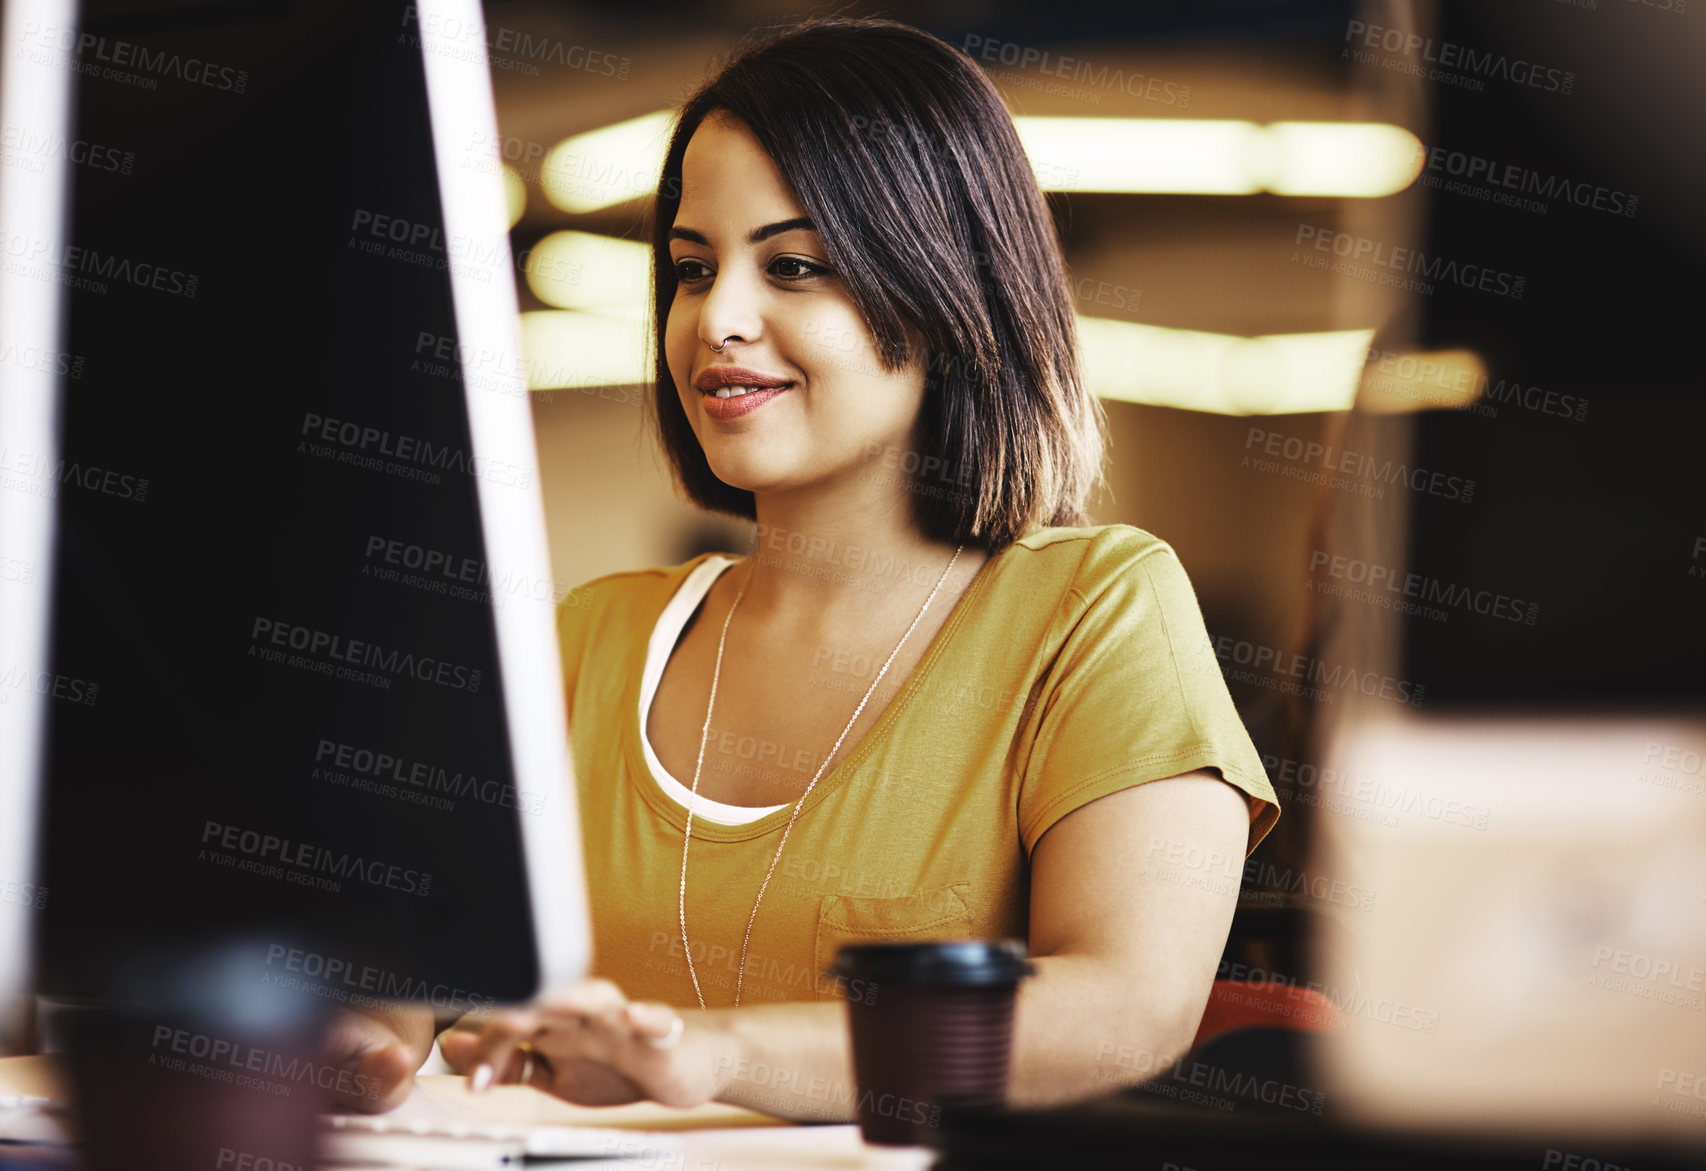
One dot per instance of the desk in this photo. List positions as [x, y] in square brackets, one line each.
[716, 1137]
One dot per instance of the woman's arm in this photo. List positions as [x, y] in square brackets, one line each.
[1131, 898]
[1132, 895]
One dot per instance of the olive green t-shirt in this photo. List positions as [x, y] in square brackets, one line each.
[1076, 664]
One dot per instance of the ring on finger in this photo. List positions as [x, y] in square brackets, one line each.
[526, 1049]
[668, 1040]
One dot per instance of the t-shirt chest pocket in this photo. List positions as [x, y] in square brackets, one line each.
[941, 913]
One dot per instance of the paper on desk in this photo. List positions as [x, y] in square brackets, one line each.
[818, 1147]
[445, 1098]
[32, 1090]
[442, 1125]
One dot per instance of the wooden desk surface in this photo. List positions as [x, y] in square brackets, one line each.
[715, 1134]
[441, 1094]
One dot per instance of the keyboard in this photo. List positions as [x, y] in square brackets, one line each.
[352, 1138]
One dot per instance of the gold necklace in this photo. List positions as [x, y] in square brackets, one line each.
[704, 732]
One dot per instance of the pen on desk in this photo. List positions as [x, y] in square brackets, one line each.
[401, 1151]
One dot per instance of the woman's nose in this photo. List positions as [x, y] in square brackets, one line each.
[730, 310]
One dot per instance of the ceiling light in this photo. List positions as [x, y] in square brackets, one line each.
[582, 270]
[1198, 156]
[609, 165]
[1178, 156]
[1222, 373]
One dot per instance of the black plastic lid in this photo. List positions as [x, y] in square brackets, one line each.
[959, 961]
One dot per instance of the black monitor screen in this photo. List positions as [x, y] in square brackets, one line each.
[1578, 572]
[277, 712]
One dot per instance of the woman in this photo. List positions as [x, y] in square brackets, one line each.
[930, 703]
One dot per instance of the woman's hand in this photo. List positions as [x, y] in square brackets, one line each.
[381, 1048]
[593, 1046]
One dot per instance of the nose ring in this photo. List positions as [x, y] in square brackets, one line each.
[724, 346]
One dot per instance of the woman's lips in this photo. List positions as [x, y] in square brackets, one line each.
[737, 405]
[716, 377]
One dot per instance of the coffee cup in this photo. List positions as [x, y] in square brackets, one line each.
[932, 1024]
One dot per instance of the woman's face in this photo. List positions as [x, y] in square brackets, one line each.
[751, 269]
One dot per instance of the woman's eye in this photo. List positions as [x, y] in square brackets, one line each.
[793, 268]
[787, 268]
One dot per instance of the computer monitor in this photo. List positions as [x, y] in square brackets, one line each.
[34, 108]
[1584, 433]
[300, 692]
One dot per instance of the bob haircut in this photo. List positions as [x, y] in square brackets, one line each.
[901, 152]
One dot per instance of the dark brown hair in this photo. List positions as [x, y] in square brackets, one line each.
[901, 152]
